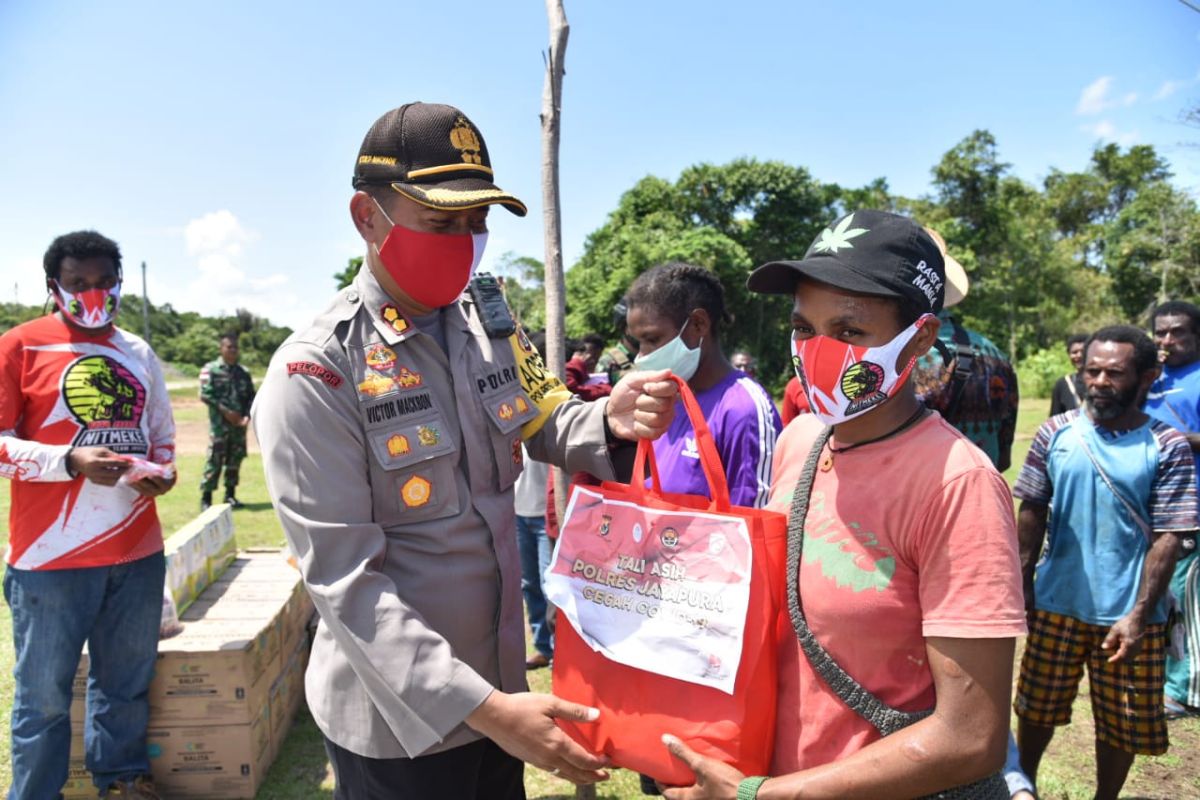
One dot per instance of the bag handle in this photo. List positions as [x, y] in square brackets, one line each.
[710, 460]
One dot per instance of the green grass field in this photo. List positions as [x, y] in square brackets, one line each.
[301, 771]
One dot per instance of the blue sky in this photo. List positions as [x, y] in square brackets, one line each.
[216, 140]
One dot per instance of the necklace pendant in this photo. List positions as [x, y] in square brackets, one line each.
[826, 462]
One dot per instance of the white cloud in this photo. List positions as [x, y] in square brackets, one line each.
[216, 232]
[1170, 87]
[1096, 97]
[217, 244]
[1106, 131]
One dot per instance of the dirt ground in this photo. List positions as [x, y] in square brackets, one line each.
[191, 428]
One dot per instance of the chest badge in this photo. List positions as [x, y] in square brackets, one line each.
[428, 436]
[380, 357]
[397, 445]
[416, 491]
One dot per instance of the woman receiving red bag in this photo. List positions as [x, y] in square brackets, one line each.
[903, 582]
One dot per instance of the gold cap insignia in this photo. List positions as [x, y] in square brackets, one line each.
[463, 137]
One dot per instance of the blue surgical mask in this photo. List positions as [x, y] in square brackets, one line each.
[675, 356]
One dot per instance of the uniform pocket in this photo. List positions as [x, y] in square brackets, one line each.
[426, 492]
[413, 456]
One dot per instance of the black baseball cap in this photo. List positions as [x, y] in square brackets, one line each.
[432, 154]
[870, 252]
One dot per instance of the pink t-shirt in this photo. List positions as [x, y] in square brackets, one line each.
[907, 538]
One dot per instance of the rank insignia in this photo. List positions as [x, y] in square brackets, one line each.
[416, 491]
[522, 406]
[428, 435]
[397, 445]
[407, 379]
[505, 411]
[605, 524]
[375, 385]
[516, 452]
[392, 316]
[380, 357]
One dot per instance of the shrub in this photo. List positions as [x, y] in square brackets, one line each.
[1038, 373]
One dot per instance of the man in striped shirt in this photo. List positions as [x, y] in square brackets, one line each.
[1115, 490]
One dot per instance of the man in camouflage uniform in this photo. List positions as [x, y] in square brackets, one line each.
[226, 388]
[618, 359]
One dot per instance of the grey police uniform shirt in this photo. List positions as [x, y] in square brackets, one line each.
[391, 467]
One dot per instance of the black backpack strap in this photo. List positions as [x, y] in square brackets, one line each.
[962, 358]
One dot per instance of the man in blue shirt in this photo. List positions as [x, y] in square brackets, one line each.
[1115, 491]
[1175, 399]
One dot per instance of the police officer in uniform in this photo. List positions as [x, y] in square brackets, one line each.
[228, 391]
[391, 432]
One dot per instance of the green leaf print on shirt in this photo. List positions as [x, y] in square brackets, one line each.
[851, 557]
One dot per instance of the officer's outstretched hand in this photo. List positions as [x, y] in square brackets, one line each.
[523, 726]
[642, 405]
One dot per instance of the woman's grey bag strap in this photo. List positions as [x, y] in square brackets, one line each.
[884, 718]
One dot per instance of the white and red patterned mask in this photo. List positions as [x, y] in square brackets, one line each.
[91, 308]
[843, 381]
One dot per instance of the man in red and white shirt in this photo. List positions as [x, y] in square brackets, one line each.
[87, 439]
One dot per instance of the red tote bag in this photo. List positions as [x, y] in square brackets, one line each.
[667, 622]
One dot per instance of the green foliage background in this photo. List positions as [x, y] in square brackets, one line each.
[184, 338]
[1081, 250]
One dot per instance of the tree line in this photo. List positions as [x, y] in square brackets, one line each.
[184, 338]
[1081, 250]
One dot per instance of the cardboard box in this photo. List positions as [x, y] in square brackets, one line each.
[287, 695]
[220, 544]
[211, 761]
[225, 691]
[263, 619]
[199, 553]
[217, 672]
[79, 781]
[254, 576]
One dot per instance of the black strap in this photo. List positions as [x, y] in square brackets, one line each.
[963, 362]
[885, 718]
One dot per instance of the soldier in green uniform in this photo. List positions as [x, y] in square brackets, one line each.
[618, 359]
[226, 388]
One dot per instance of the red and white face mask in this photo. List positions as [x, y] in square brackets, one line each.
[91, 308]
[431, 268]
[843, 381]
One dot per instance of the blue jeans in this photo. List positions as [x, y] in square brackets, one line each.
[116, 610]
[1017, 780]
[535, 549]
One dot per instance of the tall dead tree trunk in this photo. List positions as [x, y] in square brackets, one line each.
[555, 283]
[551, 212]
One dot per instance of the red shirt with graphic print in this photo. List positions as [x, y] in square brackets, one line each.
[906, 538]
[62, 388]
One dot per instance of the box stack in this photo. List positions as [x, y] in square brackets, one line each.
[199, 553]
[225, 690]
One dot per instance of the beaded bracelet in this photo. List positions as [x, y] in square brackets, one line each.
[748, 788]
